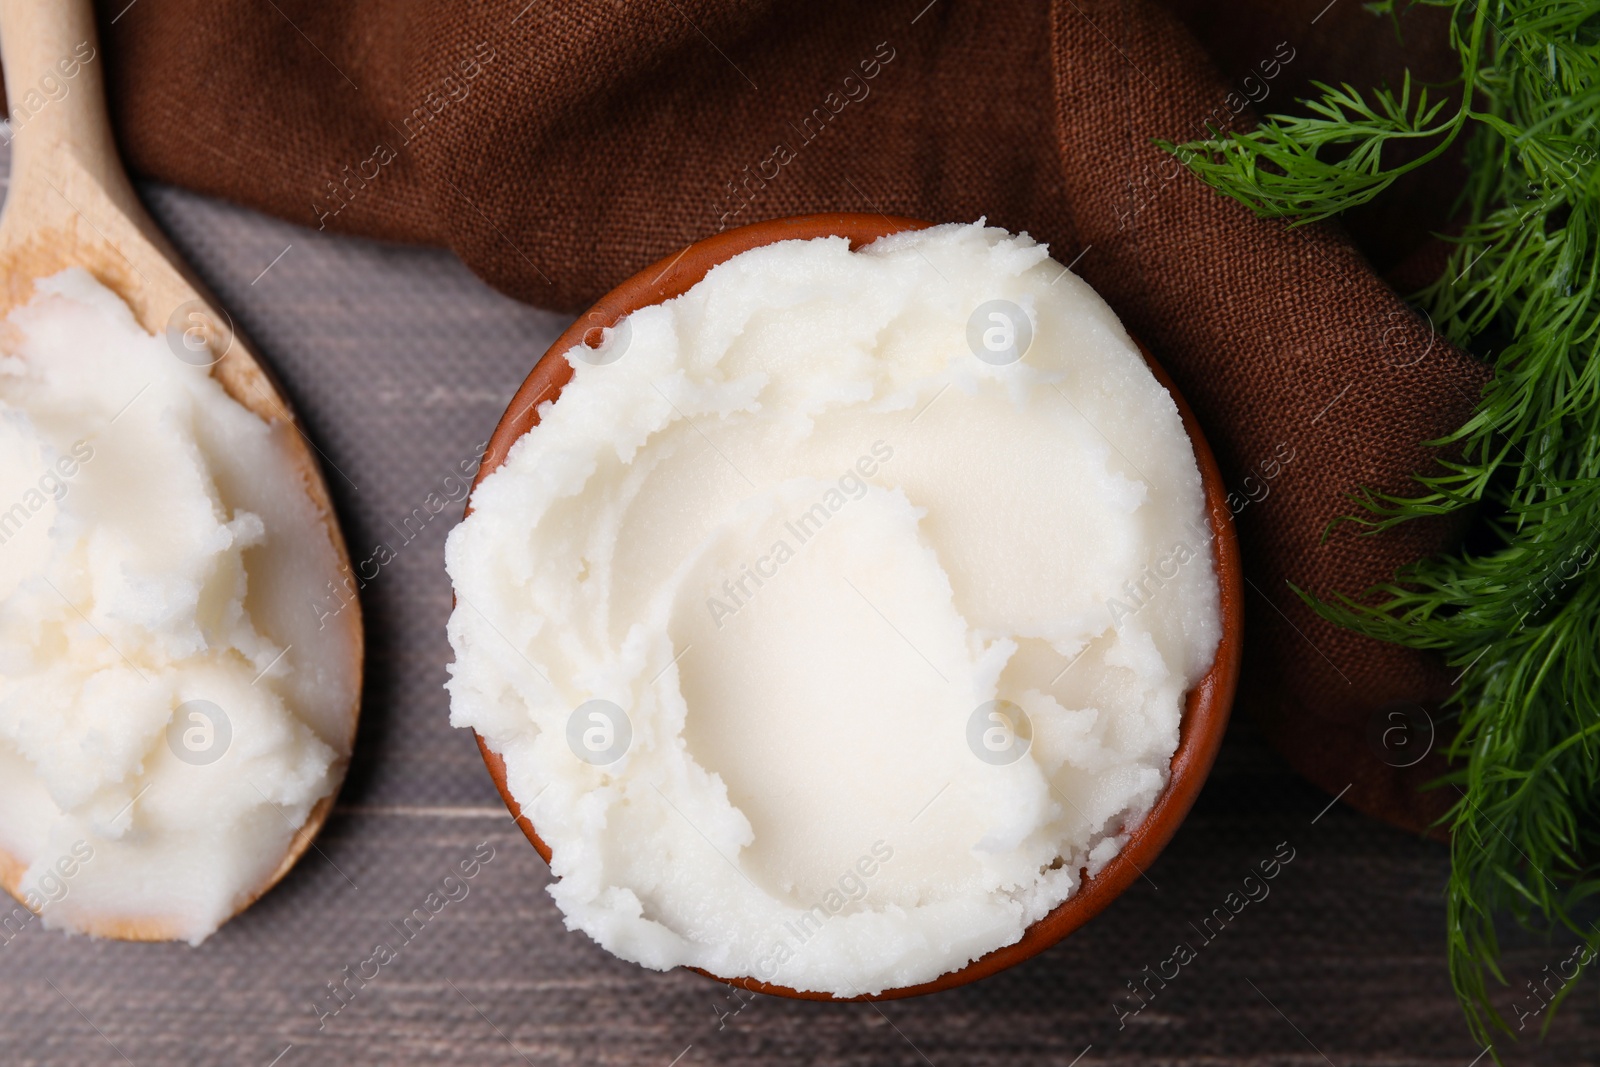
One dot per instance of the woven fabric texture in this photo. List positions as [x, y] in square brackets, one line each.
[559, 147]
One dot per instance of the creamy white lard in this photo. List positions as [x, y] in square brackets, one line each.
[171, 705]
[828, 642]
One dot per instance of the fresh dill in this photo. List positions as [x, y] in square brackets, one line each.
[1521, 618]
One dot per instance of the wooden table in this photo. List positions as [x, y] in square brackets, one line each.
[401, 363]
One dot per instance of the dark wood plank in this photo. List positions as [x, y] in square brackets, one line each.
[401, 363]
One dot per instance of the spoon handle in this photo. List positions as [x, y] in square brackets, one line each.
[69, 202]
[56, 93]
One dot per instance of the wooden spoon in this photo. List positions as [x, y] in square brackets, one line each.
[71, 204]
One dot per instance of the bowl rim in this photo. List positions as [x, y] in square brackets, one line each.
[1207, 704]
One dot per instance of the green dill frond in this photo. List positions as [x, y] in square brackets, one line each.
[1520, 619]
[1308, 167]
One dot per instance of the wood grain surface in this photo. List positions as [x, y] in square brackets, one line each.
[400, 363]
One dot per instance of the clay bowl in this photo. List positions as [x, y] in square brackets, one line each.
[1205, 714]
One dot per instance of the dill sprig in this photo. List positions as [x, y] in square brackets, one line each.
[1521, 617]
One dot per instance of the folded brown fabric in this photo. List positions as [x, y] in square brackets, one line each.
[559, 147]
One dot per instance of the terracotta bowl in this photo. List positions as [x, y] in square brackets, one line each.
[1205, 714]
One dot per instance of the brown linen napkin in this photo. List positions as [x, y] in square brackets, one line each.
[560, 147]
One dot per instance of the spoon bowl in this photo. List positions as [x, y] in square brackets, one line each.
[1205, 714]
[70, 204]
